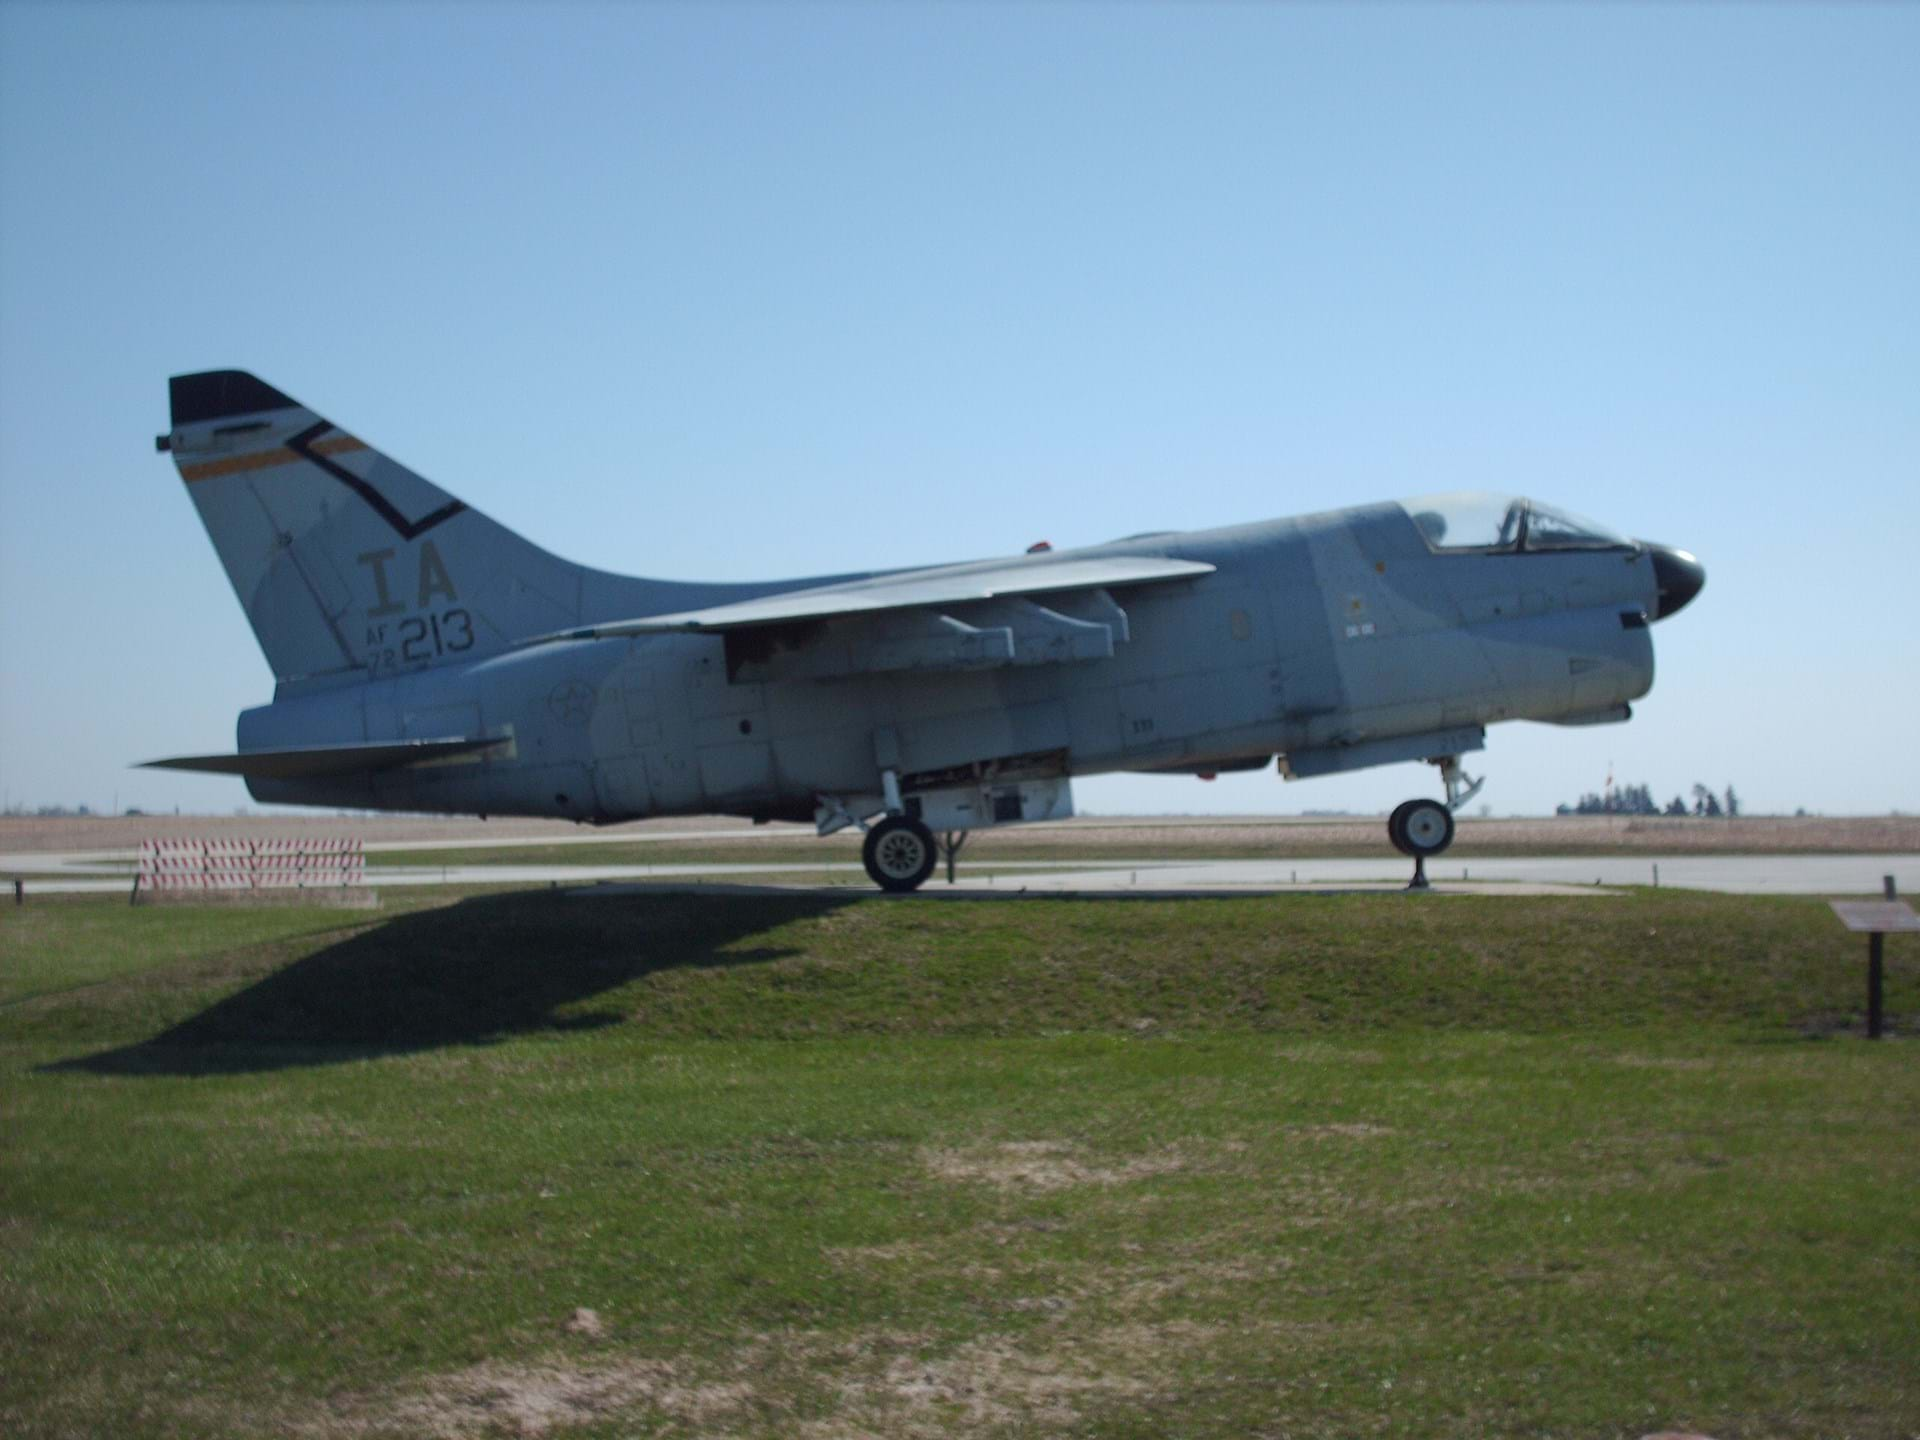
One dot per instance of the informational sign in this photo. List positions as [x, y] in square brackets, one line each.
[1876, 917]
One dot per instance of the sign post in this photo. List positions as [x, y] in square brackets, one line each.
[1877, 919]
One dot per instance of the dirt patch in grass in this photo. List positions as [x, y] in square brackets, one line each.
[997, 1382]
[1339, 1130]
[1321, 1052]
[883, 1383]
[1043, 1165]
[534, 1399]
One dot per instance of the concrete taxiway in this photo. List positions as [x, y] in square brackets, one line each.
[108, 872]
[1542, 875]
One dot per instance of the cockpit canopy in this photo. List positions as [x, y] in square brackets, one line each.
[1487, 523]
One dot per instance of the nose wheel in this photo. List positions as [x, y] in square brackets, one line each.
[1420, 828]
[899, 854]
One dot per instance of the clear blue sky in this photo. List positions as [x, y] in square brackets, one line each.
[735, 291]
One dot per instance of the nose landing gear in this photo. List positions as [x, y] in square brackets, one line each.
[1421, 828]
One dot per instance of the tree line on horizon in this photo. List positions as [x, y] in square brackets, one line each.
[1638, 800]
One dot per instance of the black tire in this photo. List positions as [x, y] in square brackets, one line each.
[899, 854]
[1427, 828]
[1397, 826]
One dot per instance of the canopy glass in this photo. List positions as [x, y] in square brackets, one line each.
[1483, 521]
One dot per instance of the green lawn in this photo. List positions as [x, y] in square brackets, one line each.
[843, 1166]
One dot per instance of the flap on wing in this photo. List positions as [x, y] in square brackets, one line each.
[309, 761]
[948, 585]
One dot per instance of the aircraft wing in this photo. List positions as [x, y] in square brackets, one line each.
[1031, 610]
[933, 589]
[310, 761]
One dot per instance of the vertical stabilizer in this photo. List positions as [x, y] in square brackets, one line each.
[348, 563]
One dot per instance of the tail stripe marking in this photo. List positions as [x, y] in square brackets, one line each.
[265, 459]
[303, 445]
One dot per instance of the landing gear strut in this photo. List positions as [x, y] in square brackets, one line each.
[1422, 828]
[950, 844]
[1461, 787]
[899, 854]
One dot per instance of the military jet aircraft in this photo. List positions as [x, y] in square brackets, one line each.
[429, 659]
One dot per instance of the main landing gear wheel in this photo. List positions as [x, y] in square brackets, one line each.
[899, 854]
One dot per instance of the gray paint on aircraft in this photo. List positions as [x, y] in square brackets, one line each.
[1326, 638]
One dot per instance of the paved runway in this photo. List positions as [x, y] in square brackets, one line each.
[107, 872]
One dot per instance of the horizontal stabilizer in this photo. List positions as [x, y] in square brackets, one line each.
[943, 586]
[309, 761]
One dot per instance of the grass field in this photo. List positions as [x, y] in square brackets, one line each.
[825, 1166]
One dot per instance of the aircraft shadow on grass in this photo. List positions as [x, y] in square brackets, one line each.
[476, 972]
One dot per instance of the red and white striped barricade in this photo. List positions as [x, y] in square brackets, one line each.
[224, 865]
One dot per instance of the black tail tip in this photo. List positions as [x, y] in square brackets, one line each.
[216, 394]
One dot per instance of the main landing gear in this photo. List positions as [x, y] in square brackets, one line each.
[1421, 828]
[899, 853]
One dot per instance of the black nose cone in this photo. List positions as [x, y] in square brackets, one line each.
[1679, 577]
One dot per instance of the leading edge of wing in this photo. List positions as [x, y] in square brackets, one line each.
[911, 590]
[309, 761]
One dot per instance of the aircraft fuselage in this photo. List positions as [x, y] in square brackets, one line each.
[1335, 641]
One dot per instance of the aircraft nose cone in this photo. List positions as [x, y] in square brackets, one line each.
[1679, 577]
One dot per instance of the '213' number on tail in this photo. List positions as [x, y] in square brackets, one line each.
[423, 638]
